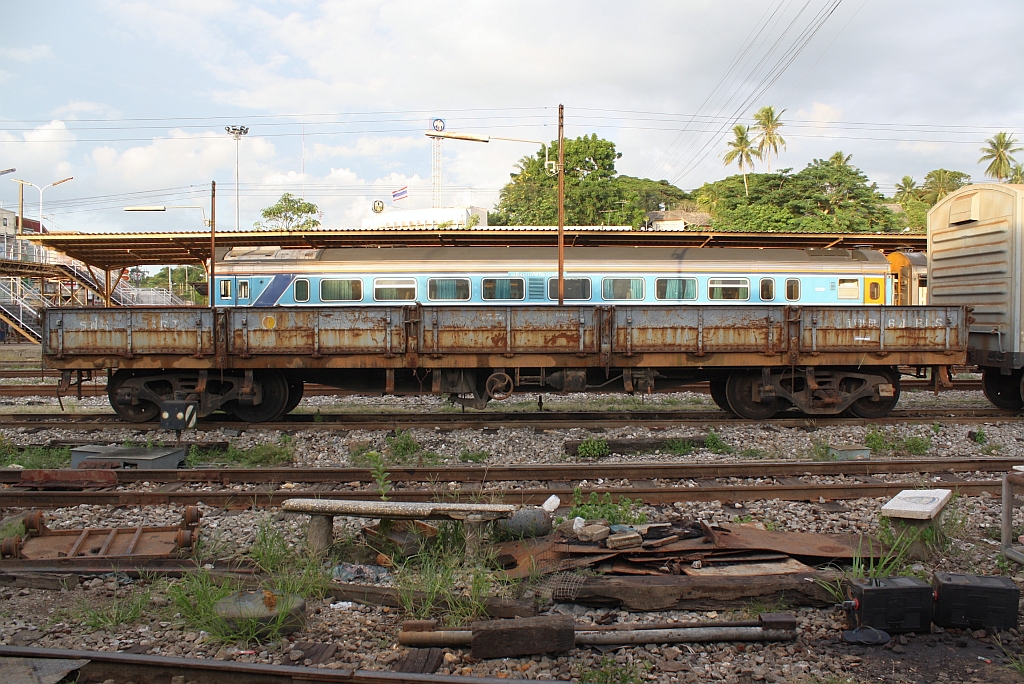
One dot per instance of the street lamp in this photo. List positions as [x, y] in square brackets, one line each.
[41, 189]
[236, 132]
[7, 171]
[206, 222]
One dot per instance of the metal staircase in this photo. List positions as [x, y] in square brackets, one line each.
[21, 312]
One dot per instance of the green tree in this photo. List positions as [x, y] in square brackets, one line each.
[998, 151]
[823, 197]
[1016, 174]
[742, 152]
[941, 182]
[289, 213]
[594, 193]
[906, 190]
[768, 139]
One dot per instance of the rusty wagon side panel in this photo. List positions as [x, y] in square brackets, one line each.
[502, 336]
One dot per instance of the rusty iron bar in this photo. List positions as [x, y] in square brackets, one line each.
[649, 495]
[134, 667]
[546, 473]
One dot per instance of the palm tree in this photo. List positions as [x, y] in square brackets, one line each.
[1016, 174]
[999, 153]
[941, 182]
[768, 139]
[906, 190]
[742, 152]
[839, 159]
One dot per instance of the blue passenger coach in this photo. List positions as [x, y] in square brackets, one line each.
[270, 276]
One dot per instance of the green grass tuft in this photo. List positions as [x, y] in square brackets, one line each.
[593, 448]
[625, 512]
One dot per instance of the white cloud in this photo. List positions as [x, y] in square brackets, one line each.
[81, 109]
[27, 54]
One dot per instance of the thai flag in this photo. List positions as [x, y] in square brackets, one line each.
[401, 193]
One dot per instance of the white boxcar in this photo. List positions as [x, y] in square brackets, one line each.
[975, 246]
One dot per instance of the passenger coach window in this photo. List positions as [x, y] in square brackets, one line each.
[332, 290]
[767, 289]
[301, 290]
[874, 291]
[792, 289]
[448, 288]
[503, 288]
[675, 288]
[575, 288]
[849, 288]
[622, 288]
[394, 289]
[243, 289]
[728, 288]
[225, 289]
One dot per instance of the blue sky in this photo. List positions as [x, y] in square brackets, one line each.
[131, 98]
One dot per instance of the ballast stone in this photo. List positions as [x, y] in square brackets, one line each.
[917, 504]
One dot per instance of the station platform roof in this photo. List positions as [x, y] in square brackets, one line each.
[110, 251]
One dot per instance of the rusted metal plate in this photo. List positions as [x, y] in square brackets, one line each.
[42, 543]
[698, 329]
[881, 329]
[125, 332]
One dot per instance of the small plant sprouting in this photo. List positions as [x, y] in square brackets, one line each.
[467, 456]
[877, 440]
[593, 448]
[625, 512]
[608, 671]
[679, 447]
[822, 451]
[318, 417]
[714, 443]
[980, 437]
[403, 447]
[380, 474]
[936, 428]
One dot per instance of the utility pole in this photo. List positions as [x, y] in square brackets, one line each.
[561, 205]
[21, 221]
[213, 243]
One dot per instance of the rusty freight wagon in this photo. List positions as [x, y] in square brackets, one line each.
[253, 361]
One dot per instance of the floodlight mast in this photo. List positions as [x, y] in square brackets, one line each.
[236, 132]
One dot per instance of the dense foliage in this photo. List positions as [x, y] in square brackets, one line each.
[829, 195]
[594, 193]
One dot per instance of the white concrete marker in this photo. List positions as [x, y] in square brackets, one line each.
[917, 504]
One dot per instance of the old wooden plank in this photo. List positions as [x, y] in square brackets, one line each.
[526, 636]
[422, 660]
[703, 593]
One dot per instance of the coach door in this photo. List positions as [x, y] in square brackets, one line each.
[874, 290]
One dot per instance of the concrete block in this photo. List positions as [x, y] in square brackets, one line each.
[849, 452]
[624, 540]
[592, 533]
[917, 504]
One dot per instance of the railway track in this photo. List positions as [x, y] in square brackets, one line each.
[653, 483]
[129, 667]
[526, 419]
[99, 387]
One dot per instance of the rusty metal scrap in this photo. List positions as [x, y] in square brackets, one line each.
[130, 543]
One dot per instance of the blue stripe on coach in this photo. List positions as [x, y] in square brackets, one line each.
[272, 292]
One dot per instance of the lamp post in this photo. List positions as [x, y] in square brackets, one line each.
[23, 183]
[206, 222]
[236, 132]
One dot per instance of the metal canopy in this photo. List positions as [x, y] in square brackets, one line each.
[111, 251]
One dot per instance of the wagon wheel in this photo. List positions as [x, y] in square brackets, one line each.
[719, 396]
[739, 391]
[275, 399]
[295, 389]
[1004, 391]
[499, 386]
[869, 407]
[139, 413]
